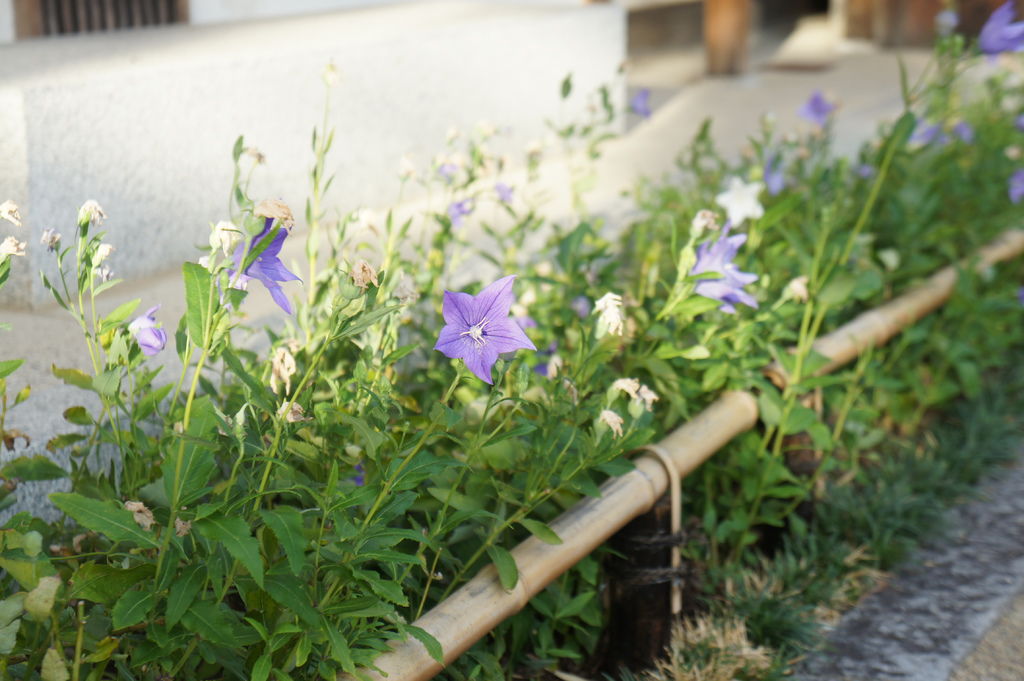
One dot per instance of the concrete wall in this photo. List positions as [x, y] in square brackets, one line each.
[144, 121]
[6, 21]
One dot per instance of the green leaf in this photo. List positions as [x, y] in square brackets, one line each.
[33, 468]
[183, 592]
[104, 517]
[209, 621]
[799, 420]
[78, 416]
[233, 532]
[62, 441]
[508, 573]
[290, 592]
[837, 290]
[432, 645]
[54, 668]
[769, 404]
[131, 608]
[197, 463]
[261, 668]
[104, 649]
[107, 383]
[541, 531]
[286, 523]
[9, 366]
[105, 583]
[74, 377]
[120, 313]
[566, 87]
[11, 608]
[340, 651]
[9, 637]
[199, 301]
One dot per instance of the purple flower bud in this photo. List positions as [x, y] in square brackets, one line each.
[460, 209]
[927, 133]
[866, 170]
[640, 103]
[817, 109]
[504, 192]
[964, 132]
[148, 335]
[581, 306]
[1016, 190]
[774, 178]
[360, 477]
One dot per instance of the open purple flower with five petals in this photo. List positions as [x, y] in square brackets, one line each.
[717, 256]
[478, 329]
[267, 268]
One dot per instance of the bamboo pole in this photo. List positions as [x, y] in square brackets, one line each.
[481, 604]
[875, 327]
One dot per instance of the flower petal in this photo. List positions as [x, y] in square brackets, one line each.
[457, 308]
[504, 335]
[494, 301]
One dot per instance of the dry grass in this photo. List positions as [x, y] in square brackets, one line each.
[703, 649]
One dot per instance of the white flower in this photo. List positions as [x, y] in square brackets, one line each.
[182, 527]
[630, 386]
[282, 368]
[91, 213]
[330, 75]
[363, 275]
[647, 396]
[554, 366]
[1012, 152]
[275, 209]
[609, 309]
[740, 201]
[9, 212]
[103, 252]
[293, 413]
[612, 420]
[50, 239]
[225, 236]
[104, 273]
[704, 219]
[142, 515]
[11, 246]
[797, 289]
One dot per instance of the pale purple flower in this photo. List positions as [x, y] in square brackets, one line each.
[478, 329]
[460, 209]
[865, 170]
[360, 477]
[774, 178]
[946, 22]
[1019, 122]
[640, 103]
[1000, 33]
[717, 256]
[1016, 190]
[929, 133]
[817, 109]
[447, 170]
[148, 335]
[964, 131]
[267, 268]
[581, 306]
[504, 192]
[1020, 295]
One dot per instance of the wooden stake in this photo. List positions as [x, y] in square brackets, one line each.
[726, 36]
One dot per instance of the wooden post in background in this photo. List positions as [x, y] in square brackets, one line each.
[726, 35]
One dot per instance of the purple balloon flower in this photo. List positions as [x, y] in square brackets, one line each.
[1000, 33]
[504, 192]
[1019, 122]
[865, 170]
[640, 103]
[267, 268]
[360, 477]
[477, 328]
[1016, 190]
[817, 109]
[459, 209]
[148, 335]
[964, 131]
[929, 133]
[717, 257]
[774, 178]
[581, 306]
